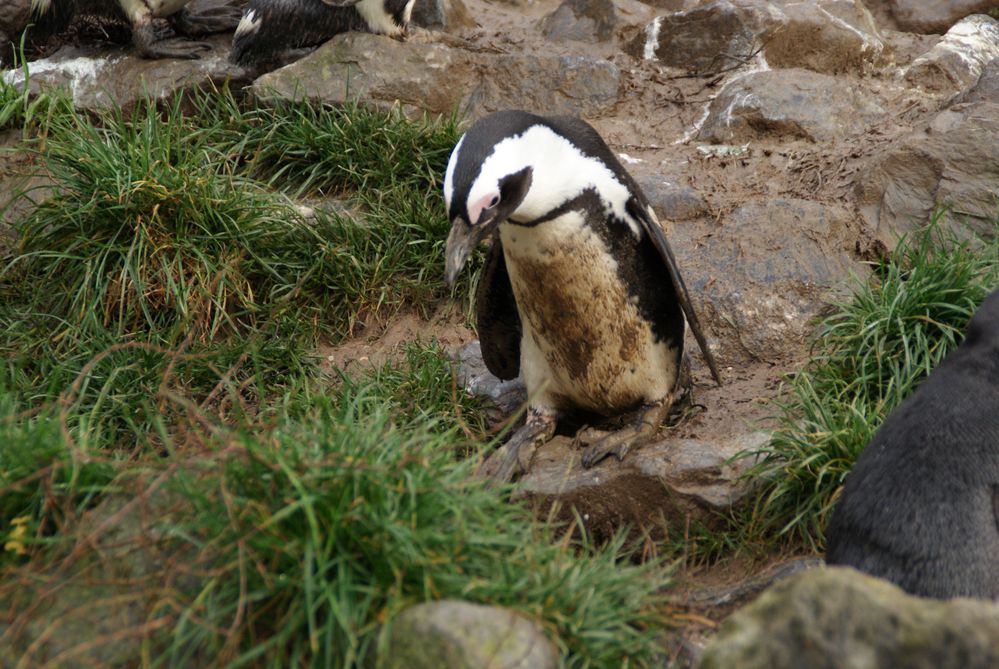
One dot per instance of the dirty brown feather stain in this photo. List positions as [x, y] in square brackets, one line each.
[576, 318]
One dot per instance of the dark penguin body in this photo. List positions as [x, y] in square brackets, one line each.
[138, 16]
[580, 291]
[921, 506]
[270, 27]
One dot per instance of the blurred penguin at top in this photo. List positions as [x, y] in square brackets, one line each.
[271, 27]
[156, 28]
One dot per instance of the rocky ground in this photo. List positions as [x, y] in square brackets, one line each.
[784, 145]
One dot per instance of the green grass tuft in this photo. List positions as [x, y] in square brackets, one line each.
[338, 521]
[873, 351]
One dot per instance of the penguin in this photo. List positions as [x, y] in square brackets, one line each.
[580, 291]
[920, 508]
[53, 16]
[269, 27]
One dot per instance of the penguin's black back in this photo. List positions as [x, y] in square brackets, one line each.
[290, 24]
[921, 505]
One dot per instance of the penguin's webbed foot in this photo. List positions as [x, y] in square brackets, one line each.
[217, 20]
[514, 457]
[619, 443]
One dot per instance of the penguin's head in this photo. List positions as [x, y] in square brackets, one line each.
[488, 177]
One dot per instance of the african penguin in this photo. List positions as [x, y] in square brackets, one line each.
[269, 27]
[51, 16]
[580, 291]
[921, 506]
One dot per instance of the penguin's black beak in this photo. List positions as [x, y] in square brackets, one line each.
[460, 242]
[465, 236]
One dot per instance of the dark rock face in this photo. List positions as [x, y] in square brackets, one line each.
[583, 20]
[828, 36]
[838, 618]
[445, 15]
[705, 39]
[952, 162]
[788, 104]
[452, 634]
[438, 78]
[919, 16]
[671, 201]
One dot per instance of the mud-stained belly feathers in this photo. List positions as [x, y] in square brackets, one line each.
[585, 342]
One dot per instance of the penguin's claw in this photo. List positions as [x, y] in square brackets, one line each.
[514, 457]
[619, 443]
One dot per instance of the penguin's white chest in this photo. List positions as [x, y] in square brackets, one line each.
[585, 343]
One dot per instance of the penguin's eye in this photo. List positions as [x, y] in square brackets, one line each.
[495, 201]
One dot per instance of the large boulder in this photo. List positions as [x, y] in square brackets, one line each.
[760, 277]
[101, 78]
[839, 618]
[437, 78]
[829, 36]
[706, 39]
[788, 104]
[956, 62]
[952, 162]
[921, 16]
[582, 20]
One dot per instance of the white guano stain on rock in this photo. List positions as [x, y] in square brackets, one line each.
[81, 72]
[653, 38]
[758, 64]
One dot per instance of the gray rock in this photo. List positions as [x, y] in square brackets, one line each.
[672, 201]
[828, 36]
[98, 79]
[920, 16]
[474, 378]
[582, 20]
[957, 60]
[451, 634]
[953, 162]
[442, 15]
[705, 39]
[117, 574]
[759, 279]
[14, 16]
[437, 78]
[788, 104]
[690, 475]
[838, 618]
[986, 89]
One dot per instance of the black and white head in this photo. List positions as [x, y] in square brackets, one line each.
[520, 167]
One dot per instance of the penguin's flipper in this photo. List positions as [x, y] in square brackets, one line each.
[642, 212]
[496, 315]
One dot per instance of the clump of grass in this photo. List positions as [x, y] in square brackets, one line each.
[43, 478]
[421, 388]
[873, 351]
[19, 109]
[337, 522]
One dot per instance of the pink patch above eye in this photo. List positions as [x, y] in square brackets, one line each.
[475, 210]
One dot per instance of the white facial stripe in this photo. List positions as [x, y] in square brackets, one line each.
[249, 24]
[449, 174]
[40, 7]
[560, 173]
